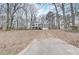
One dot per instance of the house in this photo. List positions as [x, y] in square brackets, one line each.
[36, 26]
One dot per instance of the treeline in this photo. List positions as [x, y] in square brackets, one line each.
[64, 15]
[17, 13]
[24, 15]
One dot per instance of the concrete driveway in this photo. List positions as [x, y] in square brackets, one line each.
[46, 45]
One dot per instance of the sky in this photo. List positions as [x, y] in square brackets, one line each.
[43, 8]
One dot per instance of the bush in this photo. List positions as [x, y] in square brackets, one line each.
[74, 27]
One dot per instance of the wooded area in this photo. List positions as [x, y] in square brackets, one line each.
[50, 24]
[18, 16]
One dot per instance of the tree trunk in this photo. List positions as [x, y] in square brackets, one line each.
[11, 24]
[7, 27]
[64, 17]
[17, 24]
[26, 21]
[58, 22]
[31, 21]
[72, 14]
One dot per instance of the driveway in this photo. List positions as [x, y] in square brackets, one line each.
[47, 45]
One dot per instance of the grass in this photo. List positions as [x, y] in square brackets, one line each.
[12, 42]
[8, 53]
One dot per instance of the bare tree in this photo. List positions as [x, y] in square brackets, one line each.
[33, 11]
[57, 15]
[64, 16]
[7, 27]
[29, 14]
[13, 8]
[72, 14]
[26, 9]
[43, 20]
[21, 21]
[50, 18]
[68, 20]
